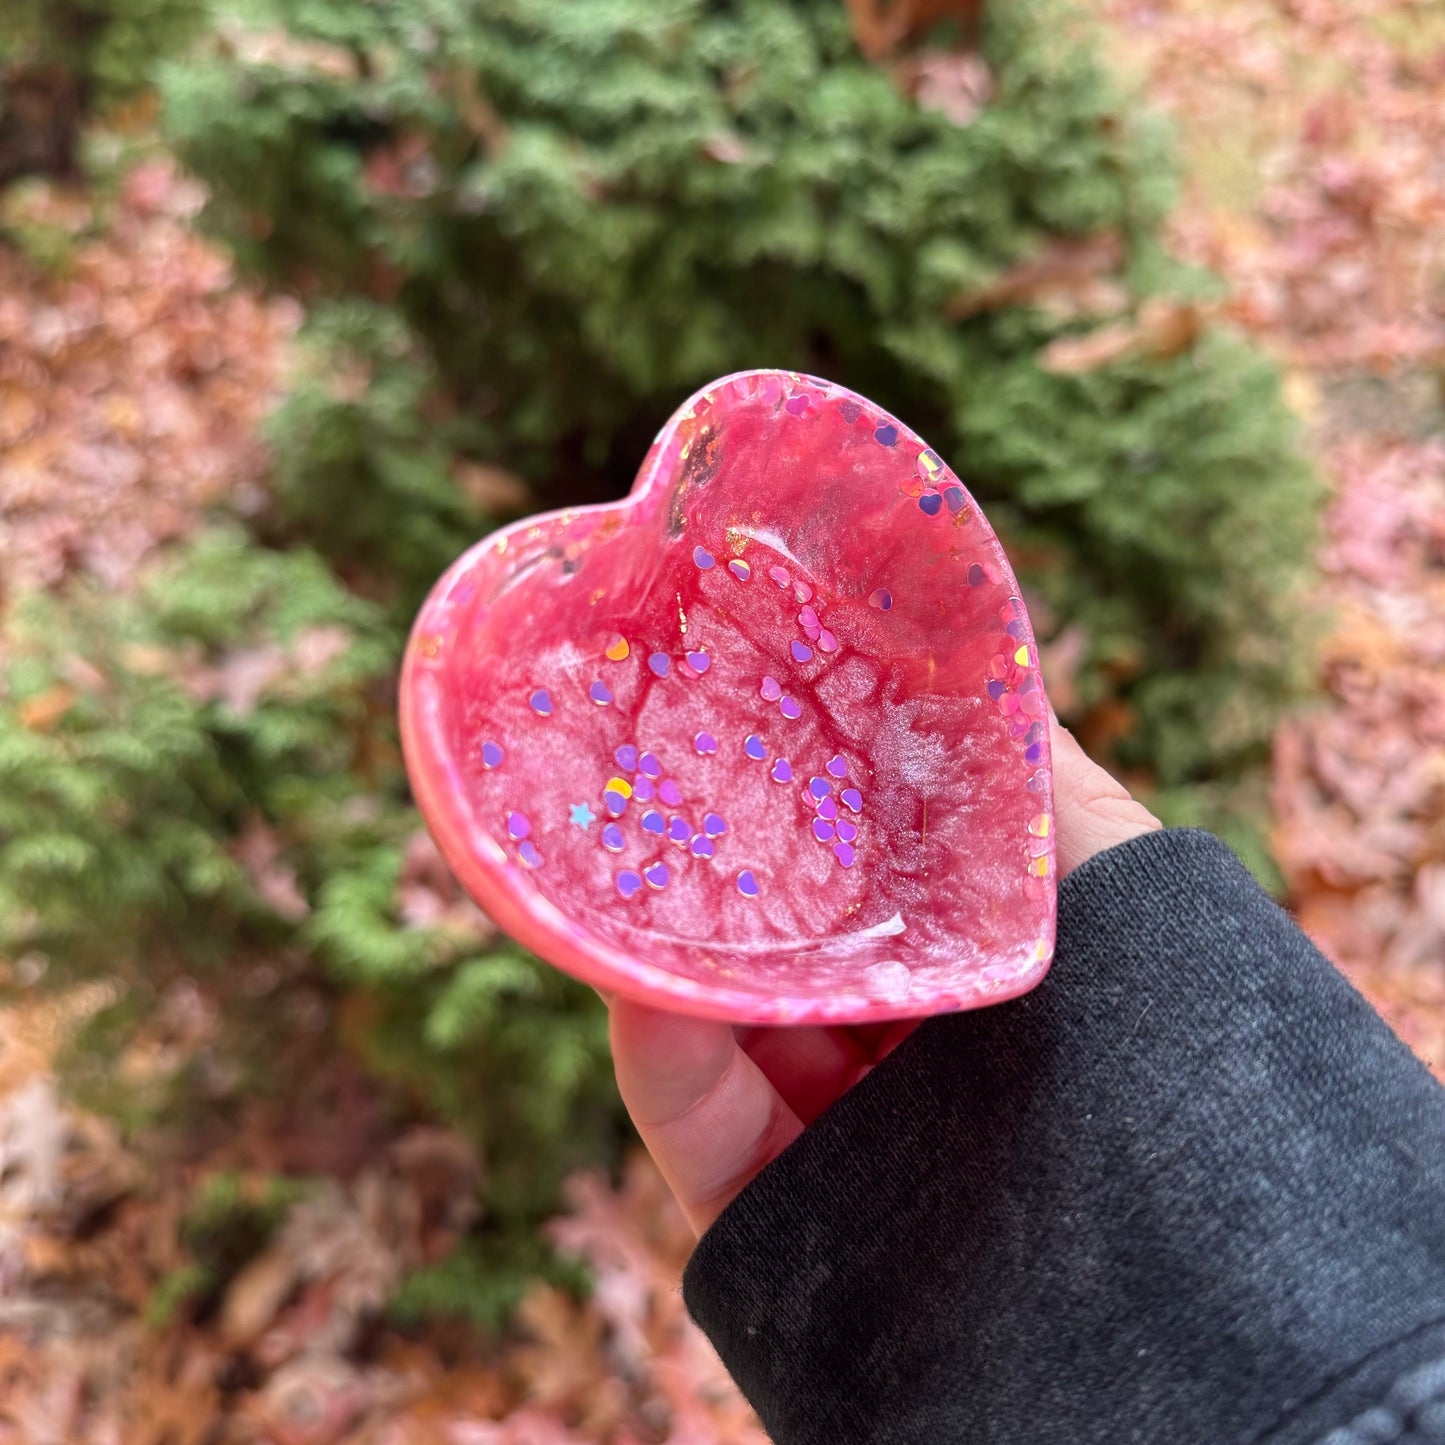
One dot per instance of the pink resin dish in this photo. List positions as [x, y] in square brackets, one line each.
[765, 741]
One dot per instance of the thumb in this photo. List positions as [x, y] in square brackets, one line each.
[1092, 810]
[707, 1113]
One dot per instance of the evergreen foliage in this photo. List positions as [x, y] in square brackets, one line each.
[138, 735]
[363, 463]
[144, 739]
[482, 1280]
[579, 211]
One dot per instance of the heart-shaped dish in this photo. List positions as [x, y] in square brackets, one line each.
[766, 740]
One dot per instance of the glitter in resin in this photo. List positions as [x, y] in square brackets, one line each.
[615, 621]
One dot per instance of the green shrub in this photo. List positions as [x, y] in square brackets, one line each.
[482, 1281]
[363, 462]
[572, 213]
[205, 773]
[140, 735]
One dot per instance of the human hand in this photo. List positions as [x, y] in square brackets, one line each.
[714, 1103]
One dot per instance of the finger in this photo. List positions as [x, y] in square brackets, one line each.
[1092, 810]
[809, 1067]
[705, 1110]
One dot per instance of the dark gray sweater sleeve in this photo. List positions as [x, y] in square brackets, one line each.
[1190, 1191]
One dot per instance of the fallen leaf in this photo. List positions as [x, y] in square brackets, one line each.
[43, 712]
[955, 83]
[496, 491]
[34, 1132]
[259, 851]
[1067, 275]
[255, 1296]
[1163, 329]
[881, 27]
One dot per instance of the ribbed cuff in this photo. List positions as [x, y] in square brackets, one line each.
[1394, 1396]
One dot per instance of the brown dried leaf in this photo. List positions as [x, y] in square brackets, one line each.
[495, 490]
[283, 51]
[34, 1133]
[1066, 275]
[1163, 329]
[256, 1295]
[350, 1271]
[182, 1412]
[44, 712]
[260, 853]
[428, 896]
[882, 27]
[563, 1362]
[636, 1241]
[441, 1177]
[957, 84]
[481, 117]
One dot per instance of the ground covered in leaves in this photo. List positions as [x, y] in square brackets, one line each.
[1312, 131]
[97, 1240]
[132, 382]
[133, 376]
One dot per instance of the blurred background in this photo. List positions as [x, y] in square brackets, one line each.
[299, 297]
